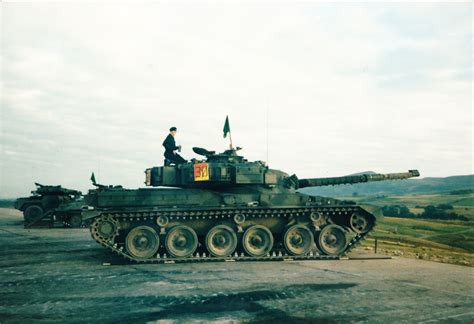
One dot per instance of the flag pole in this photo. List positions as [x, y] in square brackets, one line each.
[227, 130]
[230, 137]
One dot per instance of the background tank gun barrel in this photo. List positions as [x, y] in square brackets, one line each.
[319, 182]
[54, 190]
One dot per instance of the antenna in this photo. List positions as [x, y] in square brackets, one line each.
[267, 130]
[98, 166]
[99, 149]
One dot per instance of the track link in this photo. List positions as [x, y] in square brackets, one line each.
[328, 215]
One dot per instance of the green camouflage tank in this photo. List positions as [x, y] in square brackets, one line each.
[50, 204]
[225, 207]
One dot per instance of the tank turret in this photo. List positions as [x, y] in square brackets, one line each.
[217, 170]
[54, 190]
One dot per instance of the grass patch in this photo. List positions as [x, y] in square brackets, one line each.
[444, 241]
[464, 202]
[458, 235]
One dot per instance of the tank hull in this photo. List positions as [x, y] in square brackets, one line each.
[190, 225]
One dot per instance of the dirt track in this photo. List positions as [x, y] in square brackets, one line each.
[59, 275]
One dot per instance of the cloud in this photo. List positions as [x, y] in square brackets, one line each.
[343, 88]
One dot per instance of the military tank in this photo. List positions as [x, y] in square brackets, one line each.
[51, 204]
[225, 208]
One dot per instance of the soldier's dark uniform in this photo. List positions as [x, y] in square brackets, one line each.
[170, 147]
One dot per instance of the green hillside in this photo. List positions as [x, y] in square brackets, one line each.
[441, 241]
[450, 241]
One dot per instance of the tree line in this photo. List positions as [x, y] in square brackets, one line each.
[442, 211]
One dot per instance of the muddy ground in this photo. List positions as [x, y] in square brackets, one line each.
[57, 275]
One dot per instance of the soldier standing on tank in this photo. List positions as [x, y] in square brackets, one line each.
[171, 149]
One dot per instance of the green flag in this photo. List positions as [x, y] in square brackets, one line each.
[93, 178]
[226, 126]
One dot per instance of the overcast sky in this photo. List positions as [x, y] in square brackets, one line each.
[338, 88]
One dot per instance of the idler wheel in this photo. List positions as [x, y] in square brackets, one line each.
[298, 240]
[181, 241]
[332, 240]
[142, 242]
[257, 241]
[360, 223]
[104, 228]
[221, 241]
[32, 212]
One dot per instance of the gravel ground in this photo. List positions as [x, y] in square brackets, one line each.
[57, 275]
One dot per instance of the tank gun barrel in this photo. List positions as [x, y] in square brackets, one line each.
[320, 182]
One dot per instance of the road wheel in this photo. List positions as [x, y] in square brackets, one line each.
[298, 240]
[32, 213]
[142, 242]
[257, 241]
[181, 241]
[221, 241]
[332, 240]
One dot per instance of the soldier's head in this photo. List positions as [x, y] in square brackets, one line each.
[173, 131]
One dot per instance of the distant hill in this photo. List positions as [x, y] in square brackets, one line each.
[7, 203]
[396, 187]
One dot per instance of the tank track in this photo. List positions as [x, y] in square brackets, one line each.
[150, 215]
